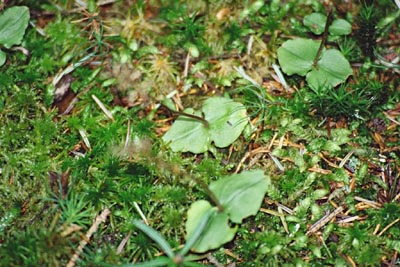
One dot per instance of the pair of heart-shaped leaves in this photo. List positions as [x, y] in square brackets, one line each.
[297, 57]
[226, 120]
[240, 195]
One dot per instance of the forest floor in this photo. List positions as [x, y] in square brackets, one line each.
[199, 133]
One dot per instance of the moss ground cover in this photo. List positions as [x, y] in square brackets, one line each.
[200, 133]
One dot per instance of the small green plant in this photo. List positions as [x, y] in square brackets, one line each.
[173, 258]
[223, 122]
[316, 23]
[208, 227]
[13, 23]
[236, 197]
[186, 30]
[322, 67]
[356, 101]
[366, 34]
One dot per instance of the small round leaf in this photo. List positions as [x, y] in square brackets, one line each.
[315, 22]
[297, 56]
[340, 27]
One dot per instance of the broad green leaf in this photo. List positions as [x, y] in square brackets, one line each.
[227, 120]
[332, 69]
[187, 134]
[297, 56]
[217, 231]
[340, 27]
[13, 23]
[2, 58]
[241, 194]
[315, 22]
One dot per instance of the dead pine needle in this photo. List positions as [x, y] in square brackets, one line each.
[103, 108]
[390, 225]
[323, 221]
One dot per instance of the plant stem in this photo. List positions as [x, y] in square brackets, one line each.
[201, 119]
[324, 38]
[210, 194]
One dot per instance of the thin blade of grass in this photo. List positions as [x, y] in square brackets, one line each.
[199, 230]
[153, 234]
[162, 261]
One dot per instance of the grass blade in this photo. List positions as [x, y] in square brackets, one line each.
[153, 234]
[192, 240]
[162, 261]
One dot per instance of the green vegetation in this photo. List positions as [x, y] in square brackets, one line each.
[255, 133]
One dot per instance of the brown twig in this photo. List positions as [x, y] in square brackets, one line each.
[99, 219]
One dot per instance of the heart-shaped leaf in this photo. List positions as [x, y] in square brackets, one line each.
[316, 23]
[297, 56]
[332, 69]
[188, 134]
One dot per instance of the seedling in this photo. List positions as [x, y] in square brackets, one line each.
[223, 122]
[172, 258]
[240, 195]
[322, 67]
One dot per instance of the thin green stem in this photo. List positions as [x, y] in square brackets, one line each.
[324, 38]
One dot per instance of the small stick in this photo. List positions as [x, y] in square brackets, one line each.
[370, 203]
[123, 243]
[187, 62]
[139, 210]
[99, 219]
